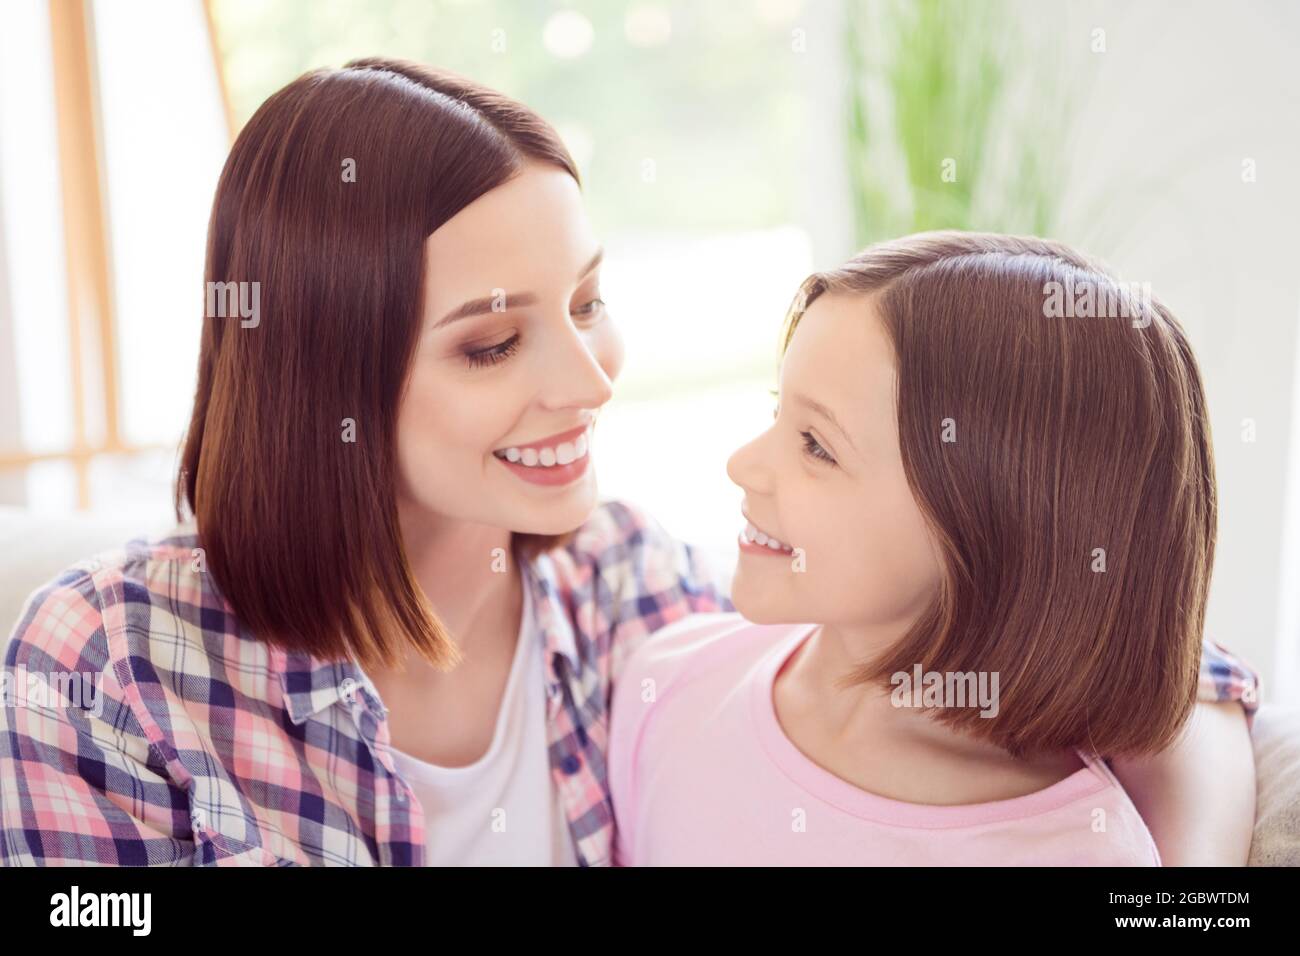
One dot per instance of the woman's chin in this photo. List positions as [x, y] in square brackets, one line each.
[562, 517]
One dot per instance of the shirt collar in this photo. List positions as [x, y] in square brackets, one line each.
[311, 685]
[551, 614]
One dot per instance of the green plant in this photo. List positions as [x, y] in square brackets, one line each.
[956, 117]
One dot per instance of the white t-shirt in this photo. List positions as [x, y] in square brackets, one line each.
[501, 810]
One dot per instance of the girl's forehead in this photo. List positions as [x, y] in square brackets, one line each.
[841, 357]
[841, 336]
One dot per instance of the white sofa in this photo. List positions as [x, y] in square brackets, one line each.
[35, 548]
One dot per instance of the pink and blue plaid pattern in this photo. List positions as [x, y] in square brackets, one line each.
[201, 745]
[206, 746]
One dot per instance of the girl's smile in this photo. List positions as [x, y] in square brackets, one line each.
[754, 540]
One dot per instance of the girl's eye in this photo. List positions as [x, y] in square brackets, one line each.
[493, 354]
[813, 448]
[590, 310]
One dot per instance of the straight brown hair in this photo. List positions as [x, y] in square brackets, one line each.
[299, 528]
[1081, 444]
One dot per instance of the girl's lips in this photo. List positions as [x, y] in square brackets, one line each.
[754, 540]
[750, 547]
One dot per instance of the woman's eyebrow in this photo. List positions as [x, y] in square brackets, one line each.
[485, 304]
[590, 267]
[827, 414]
[506, 300]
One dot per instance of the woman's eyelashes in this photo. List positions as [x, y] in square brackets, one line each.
[589, 313]
[493, 354]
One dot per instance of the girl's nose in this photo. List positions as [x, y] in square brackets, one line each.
[745, 467]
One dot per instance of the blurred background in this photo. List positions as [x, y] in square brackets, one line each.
[727, 148]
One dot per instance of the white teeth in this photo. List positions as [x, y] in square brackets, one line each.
[755, 536]
[564, 453]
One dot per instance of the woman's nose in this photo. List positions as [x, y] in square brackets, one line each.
[576, 378]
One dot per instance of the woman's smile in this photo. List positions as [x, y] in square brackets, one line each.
[557, 460]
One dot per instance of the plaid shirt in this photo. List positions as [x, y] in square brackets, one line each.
[184, 740]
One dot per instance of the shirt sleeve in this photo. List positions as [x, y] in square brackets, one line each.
[1225, 676]
[79, 782]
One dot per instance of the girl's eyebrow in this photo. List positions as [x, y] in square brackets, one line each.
[484, 304]
[827, 414]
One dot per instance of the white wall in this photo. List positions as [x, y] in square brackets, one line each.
[1182, 96]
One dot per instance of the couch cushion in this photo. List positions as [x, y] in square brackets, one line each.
[35, 548]
[1277, 801]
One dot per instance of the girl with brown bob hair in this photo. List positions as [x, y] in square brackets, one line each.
[1002, 522]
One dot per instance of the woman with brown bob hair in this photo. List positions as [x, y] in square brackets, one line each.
[390, 633]
[1002, 521]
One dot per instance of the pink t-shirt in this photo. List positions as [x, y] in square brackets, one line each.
[704, 775]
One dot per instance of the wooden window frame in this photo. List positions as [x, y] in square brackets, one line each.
[92, 320]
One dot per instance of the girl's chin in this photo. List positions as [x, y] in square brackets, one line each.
[760, 606]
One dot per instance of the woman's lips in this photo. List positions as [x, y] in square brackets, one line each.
[550, 442]
[557, 460]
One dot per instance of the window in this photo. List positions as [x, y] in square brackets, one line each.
[108, 160]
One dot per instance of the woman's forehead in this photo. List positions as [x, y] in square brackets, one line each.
[528, 228]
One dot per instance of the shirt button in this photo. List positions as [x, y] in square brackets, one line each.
[400, 796]
[571, 764]
[348, 690]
